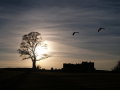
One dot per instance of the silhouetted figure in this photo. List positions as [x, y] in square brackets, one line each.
[75, 33]
[100, 29]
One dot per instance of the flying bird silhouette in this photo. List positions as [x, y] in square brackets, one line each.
[75, 33]
[100, 29]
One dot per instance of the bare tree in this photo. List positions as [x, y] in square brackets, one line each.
[28, 47]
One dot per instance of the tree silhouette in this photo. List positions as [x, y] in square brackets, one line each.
[28, 46]
[117, 67]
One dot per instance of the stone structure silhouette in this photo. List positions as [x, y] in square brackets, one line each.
[83, 67]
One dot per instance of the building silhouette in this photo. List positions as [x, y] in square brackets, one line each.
[83, 67]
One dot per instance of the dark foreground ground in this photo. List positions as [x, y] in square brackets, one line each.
[20, 80]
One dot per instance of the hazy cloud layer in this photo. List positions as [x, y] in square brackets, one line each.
[57, 20]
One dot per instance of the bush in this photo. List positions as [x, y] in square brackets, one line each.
[117, 67]
[38, 67]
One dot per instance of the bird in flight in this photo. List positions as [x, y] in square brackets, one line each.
[100, 29]
[75, 33]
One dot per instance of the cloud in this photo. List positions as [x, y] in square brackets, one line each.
[56, 20]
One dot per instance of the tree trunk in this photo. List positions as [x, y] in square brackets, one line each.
[34, 64]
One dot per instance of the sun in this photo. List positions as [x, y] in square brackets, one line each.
[41, 51]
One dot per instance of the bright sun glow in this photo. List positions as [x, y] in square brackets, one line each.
[41, 51]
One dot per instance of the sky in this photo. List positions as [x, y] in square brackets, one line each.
[56, 20]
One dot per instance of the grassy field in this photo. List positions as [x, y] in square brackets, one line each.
[20, 80]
